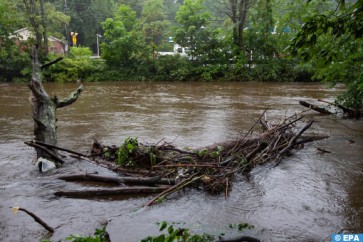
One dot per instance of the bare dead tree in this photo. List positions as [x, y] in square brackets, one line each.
[43, 106]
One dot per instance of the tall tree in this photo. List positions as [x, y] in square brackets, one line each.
[135, 5]
[56, 21]
[154, 21]
[238, 11]
[262, 31]
[192, 18]
[12, 60]
[86, 18]
[43, 106]
[123, 40]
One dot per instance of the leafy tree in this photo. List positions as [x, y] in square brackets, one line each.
[154, 21]
[56, 21]
[238, 12]
[171, 7]
[122, 45]
[262, 29]
[333, 42]
[135, 5]
[86, 18]
[13, 57]
[192, 18]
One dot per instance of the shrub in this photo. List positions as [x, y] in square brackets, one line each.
[78, 65]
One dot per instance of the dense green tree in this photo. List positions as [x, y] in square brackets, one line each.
[154, 23]
[56, 21]
[332, 41]
[86, 17]
[123, 43]
[192, 19]
[14, 59]
[171, 7]
[262, 31]
[135, 5]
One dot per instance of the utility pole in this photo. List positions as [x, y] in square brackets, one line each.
[65, 10]
[98, 45]
[45, 34]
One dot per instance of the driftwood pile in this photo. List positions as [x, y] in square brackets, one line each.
[162, 168]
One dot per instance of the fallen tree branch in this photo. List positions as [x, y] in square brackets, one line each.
[53, 156]
[314, 107]
[36, 218]
[119, 180]
[348, 111]
[292, 142]
[58, 148]
[110, 192]
[189, 165]
[216, 165]
[175, 188]
[46, 65]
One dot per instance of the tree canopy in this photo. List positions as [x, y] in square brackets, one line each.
[274, 40]
[332, 40]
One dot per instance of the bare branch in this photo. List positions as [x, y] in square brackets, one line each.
[55, 157]
[46, 65]
[37, 219]
[70, 99]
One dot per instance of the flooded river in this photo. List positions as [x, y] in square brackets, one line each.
[307, 197]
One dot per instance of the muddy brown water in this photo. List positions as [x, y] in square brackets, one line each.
[307, 197]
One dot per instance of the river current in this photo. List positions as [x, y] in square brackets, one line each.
[309, 196]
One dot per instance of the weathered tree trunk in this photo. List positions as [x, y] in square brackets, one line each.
[43, 107]
[243, 8]
[44, 110]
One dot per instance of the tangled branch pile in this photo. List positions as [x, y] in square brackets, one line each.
[211, 168]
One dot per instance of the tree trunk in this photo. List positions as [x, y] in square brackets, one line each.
[243, 8]
[43, 107]
[239, 10]
[44, 110]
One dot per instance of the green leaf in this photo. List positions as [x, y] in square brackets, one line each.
[163, 225]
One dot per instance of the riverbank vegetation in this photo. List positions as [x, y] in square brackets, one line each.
[192, 40]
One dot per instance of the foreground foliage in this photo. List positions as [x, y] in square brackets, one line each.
[99, 236]
[177, 235]
[174, 233]
[333, 42]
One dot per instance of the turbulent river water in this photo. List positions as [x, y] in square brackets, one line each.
[307, 197]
